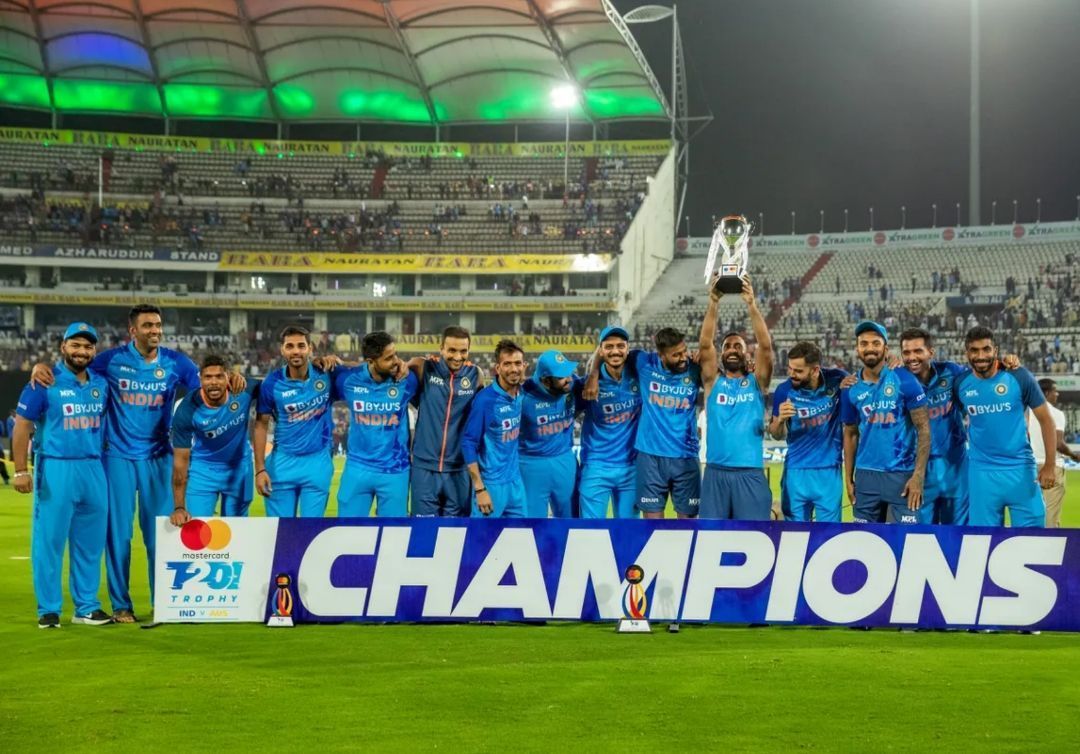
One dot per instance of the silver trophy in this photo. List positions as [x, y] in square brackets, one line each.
[732, 240]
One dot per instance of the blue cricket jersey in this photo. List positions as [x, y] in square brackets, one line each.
[378, 417]
[70, 415]
[491, 434]
[609, 427]
[947, 434]
[303, 422]
[442, 402]
[547, 421]
[815, 436]
[215, 434]
[668, 424]
[882, 409]
[141, 397]
[735, 419]
[997, 429]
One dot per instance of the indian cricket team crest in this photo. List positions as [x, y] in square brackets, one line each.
[320, 385]
[84, 327]
[559, 358]
[943, 382]
[889, 390]
[1001, 389]
[745, 382]
[686, 380]
[392, 392]
[634, 388]
[234, 406]
[159, 373]
[95, 393]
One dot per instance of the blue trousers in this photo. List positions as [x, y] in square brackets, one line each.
[550, 482]
[360, 485]
[150, 481]
[994, 488]
[71, 506]
[812, 494]
[601, 483]
[945, 497]
[208, 482]
[660, 476]
[740, 494]
[440, 493]
[507, 500]
[300, 484]
[879, 496]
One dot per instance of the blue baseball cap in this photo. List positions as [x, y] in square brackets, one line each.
[81, 330]
[868, 325]
[554, 364]
[617, 330]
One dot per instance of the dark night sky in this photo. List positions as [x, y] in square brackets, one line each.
[827, 104]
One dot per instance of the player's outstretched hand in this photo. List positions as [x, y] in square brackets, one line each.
[237, 382]
[1046, 477]
[786, 410]
[326, 363]
[747, 291]
[895, 362]
[179, 517]
[23, 484]
[848, 381]
[851, 492]
[263, 483]
[913, 491]
[1011, 361]
[41, 375]
[483, 502]
[714, 293]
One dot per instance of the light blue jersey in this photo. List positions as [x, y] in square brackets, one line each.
[609, 427]
[547, 420]
[815, 436]
[491, 434]
[735, 413]
[301, 411]
[216, 435]
[378, 417]
[668, 425]
[947, 433]
[997, 430]
[69, 415]
[882, 410]
[141, 397]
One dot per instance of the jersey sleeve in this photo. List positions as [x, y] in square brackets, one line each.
[183, 424]
[265, 404]
[100, 363]
[32, 403]
[635, 361]
[253, 388]
[411, 386]
[1030, 392]
[911, 390]
[187, 372]
[337, 381]
[848, 412]
[474, 427]
[780, 396]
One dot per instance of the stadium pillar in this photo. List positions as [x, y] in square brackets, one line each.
[29, 317]
[33, 277]
[238, 321]
[320, 323]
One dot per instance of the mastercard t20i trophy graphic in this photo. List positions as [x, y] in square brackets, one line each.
[635, 604]
[283, 603]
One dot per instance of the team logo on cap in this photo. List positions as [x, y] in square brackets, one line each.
[234, 406]
[392, 392]
[83, 327]
[197, 535]
[1001, 389]
[159, 373]
[889, 390]
[559, 358]
[95, 393]
[466, 383]
[320, 385]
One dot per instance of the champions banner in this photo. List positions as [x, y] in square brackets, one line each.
[397, 570]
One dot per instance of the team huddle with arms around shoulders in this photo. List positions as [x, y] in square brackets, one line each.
[913, 440]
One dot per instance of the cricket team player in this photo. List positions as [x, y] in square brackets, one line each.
[549, 469]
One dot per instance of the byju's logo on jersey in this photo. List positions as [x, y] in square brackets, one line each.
[507, 423]
[609, 408]
[803, 413]
[69, 409]
[291, 408]
[541, 420]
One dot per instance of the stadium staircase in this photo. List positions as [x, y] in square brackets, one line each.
[778, 312]
[682, 277]
[590, 169]
[378, 181]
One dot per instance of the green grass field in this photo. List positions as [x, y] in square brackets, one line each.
[513, 687]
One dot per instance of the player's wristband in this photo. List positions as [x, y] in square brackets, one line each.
[179, 508]
[481, 489]
[19, 474]
[260, 471]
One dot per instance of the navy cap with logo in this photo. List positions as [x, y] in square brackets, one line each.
[554, 364]
[868, 325]
[81, 330]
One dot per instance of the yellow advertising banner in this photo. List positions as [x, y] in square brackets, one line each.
[158, 143]
[449, 264]
[301, 303]
[579, 344]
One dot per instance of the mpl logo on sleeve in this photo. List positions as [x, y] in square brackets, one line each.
[211, 570]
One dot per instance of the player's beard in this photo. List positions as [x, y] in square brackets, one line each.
[871, 360]
[215, 394]
[77, 367]
[981, 366]
[735, 363]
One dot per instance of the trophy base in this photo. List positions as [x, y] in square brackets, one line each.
[279, 621]
[628, 626]
[728, 284]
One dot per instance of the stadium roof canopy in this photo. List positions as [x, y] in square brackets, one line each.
[421, 62]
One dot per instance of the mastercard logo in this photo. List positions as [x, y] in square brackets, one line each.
[199, 535]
